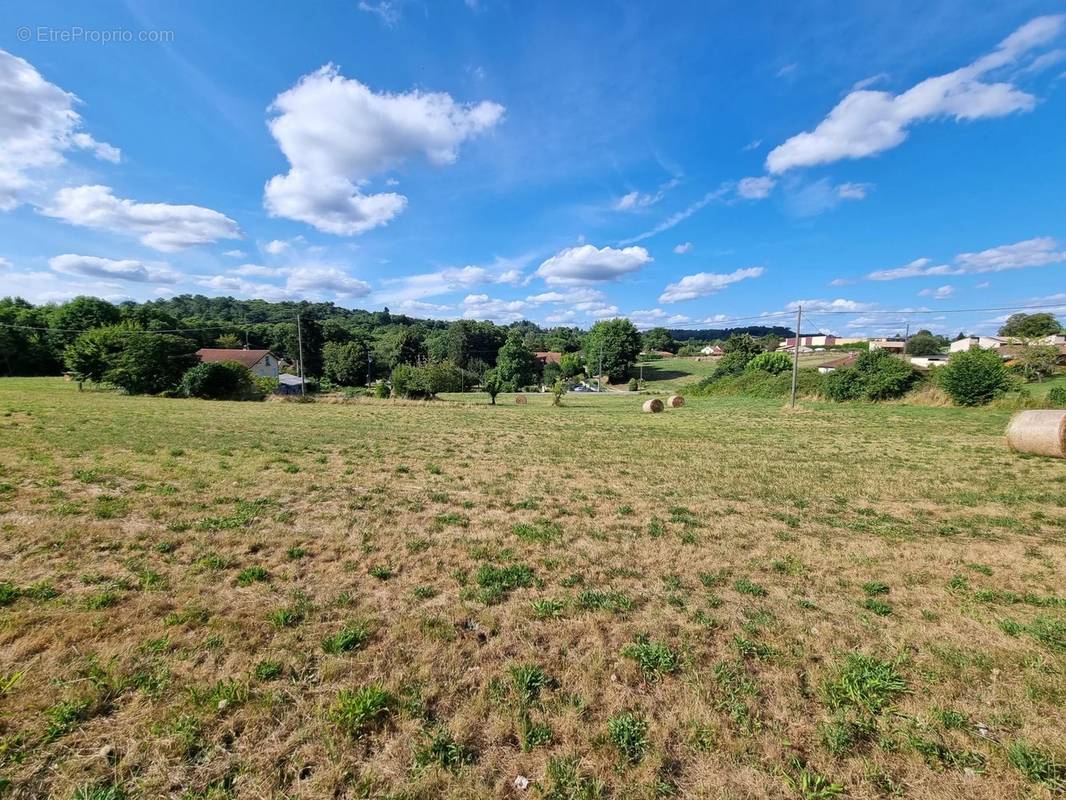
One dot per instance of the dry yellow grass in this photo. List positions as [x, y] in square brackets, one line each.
[758, 548]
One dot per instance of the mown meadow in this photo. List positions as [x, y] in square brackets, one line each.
[398, 599]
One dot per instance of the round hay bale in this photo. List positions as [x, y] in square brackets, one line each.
[1041, 433]
[520, 400]
[675, 401]
[653, 406]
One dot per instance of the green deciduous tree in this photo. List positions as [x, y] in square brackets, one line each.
[1036, 362]
[492, 385]
[617, 343]
[924, 343]
[346, 363]
[1030, 326]
[659, 339]
[515, 364]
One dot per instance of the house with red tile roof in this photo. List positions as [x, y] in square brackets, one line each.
[261, 362]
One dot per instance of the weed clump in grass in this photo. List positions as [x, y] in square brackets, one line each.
[529, 681]
[380, 571]
[879, 607]
[250, 575]
[655, 659]
[360, 711]
[267, 670]
[532, 734]
[351, 637]
[548, 608]
[808, 784]
[66, 715]
[9, 593]
[498, 582]
[744, 586]
[608, 600]
[628, 733]
[874, 588]
[540, 531]
[864, 683]
[1038, 765]
[565, 781]
[443, 751]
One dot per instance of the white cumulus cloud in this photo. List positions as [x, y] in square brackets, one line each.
[867, 122]
[161, 226]
[840, 304]
[483, 307]
[589, 264]
[684, 247]
[124, 269]
[337, 134]
[705, 283]
[38, 124]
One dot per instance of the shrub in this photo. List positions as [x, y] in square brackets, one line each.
[774, 363]
[426, 381]
[633, 385]
[214, 380]
[1056, 398]
[974, 377]
[758, 383]
[877, 375]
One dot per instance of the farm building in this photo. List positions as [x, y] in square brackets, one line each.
[289, 384]
[839, 363]
[814, 340]
[892, 345]
[928, 362]
[984, 342]
[543, 357]
[712, 350]
[261, 362]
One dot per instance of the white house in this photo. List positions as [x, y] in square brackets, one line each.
[928, 362]
[984, 342]
[711, 350]
[261, 362]
[892, 345]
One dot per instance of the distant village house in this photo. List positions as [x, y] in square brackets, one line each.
[260, 362]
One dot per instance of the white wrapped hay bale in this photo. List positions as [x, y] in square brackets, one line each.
[653, 406]
[1041, 433]
[675, 401]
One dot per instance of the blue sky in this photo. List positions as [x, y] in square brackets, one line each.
[559, 162]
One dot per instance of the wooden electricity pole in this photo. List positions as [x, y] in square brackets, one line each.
[300, 345]
[796, 353]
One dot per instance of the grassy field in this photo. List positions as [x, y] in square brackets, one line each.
[426, 600]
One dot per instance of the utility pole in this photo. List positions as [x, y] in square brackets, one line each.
[796, 353]
[369, 361]
[599, 375]
[907, 337]
[300, 345]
